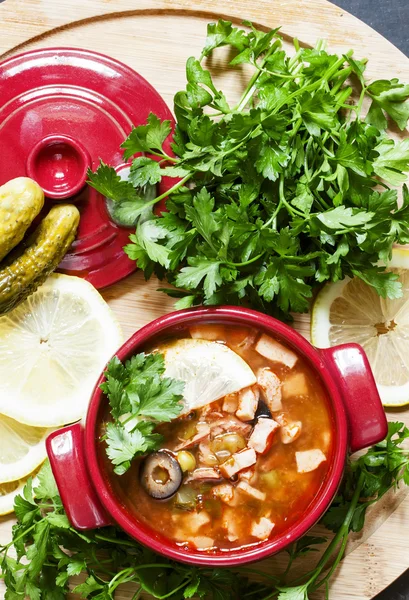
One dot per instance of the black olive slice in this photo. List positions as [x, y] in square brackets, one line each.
[161, 475]
[262, 411]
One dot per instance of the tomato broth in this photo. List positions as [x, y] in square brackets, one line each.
[252, 461]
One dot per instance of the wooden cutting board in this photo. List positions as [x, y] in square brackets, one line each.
[155, 37]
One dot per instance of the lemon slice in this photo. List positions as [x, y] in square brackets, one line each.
[22, 449]
[351, 311]
[53, 347]
[8, 492]
[210, 370]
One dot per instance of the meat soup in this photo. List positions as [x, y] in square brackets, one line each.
[240, 469]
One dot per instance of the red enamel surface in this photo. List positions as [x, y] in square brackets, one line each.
[65, 448]
[367, 420]
[95, 101]
[59, 164]
[345, 386]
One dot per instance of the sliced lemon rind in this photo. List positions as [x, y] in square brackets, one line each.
[72, 404]
[320, 316]
[7, 500]
[22, 468]
[209, 369]
[393, 396]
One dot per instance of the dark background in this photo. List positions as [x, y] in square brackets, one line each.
[389, 17]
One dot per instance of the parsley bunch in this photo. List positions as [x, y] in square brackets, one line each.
[50, 551]
[285, 190]
[140, 398]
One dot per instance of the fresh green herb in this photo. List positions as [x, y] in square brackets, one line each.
[140, 398]
[50, 551]
[276, 194]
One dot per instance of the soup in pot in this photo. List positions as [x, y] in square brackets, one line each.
[240, 468]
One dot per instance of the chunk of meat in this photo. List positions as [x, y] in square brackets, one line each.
[230, 425]
[230, 524]
[224, 491]
[262, 529]
[248, 402]
[309, 460]
[248, 475]
[238, 462]
[281, 419]
[262, 435]
[201, 542]
[202, 432]
[230, 403]
[242, 339]
[251, 491]
[290, 432]
[276, 352]
[204, 474]
[209, 332]
[270, 386]
[295, 385]
[197, 520]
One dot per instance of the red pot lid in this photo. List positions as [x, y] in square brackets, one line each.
[63, 110]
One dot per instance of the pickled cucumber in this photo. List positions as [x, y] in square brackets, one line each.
[30, 263]
[21, 200]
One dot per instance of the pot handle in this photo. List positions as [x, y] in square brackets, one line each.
[350, 369]
[65, 449]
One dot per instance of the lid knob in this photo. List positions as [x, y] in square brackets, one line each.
[59, 164]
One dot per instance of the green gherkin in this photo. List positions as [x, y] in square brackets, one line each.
[21, 200]
[30, 263]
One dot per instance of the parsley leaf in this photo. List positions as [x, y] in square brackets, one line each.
[147, 138]
[392, 161]
[137, 391]
[391, 97]
[123, 446]
[290, 171]
[50, 551]
[144, 171]
[107, 181]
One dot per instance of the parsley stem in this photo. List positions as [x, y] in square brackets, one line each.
[275, 74]
[164, 156]
[116, 541]
[14, 540]
[172, 592]
[249, 91]
[173, 189]
[244, 264]
[257, 572]
[120, 578]
[305, 258]
[343, 531]
[291, 209]
[316, 84]
[358, 107]
[335, 564]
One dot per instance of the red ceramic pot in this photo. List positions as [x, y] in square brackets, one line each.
[358, 416]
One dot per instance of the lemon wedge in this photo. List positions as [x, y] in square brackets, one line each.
[53, 347]
[351, 311]
[22, 449]
[210, 370]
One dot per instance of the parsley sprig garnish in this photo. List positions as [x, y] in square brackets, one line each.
[285, 190]
[50, 551]
[140, 398]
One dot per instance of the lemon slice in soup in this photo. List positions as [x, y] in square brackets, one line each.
[210, 370]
